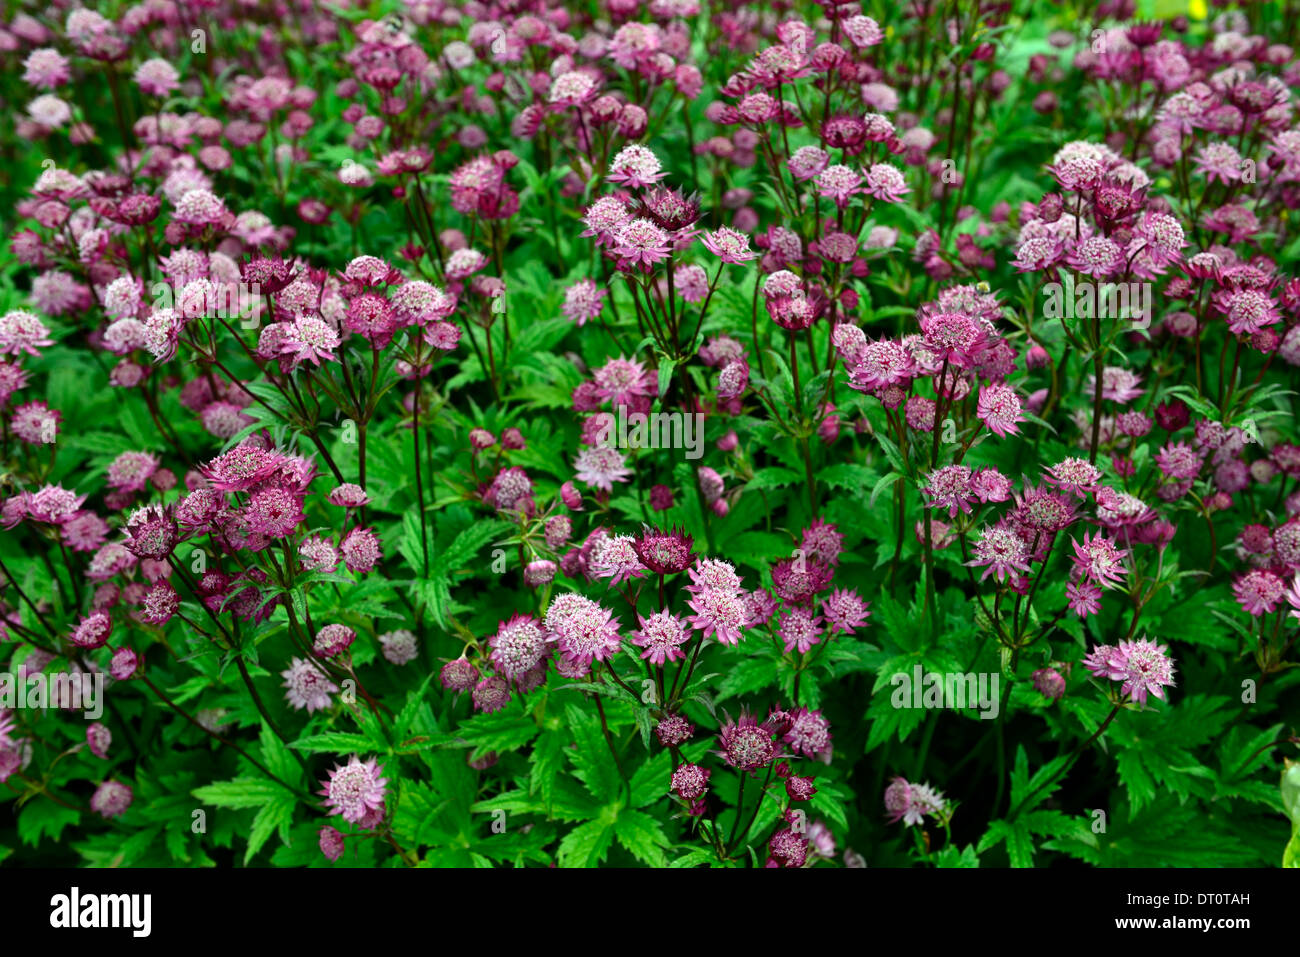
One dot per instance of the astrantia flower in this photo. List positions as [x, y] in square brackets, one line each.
[161, 602]
[98, 738]
[910, 803]
[844, 610]
[886, 183]
[881, 364]
[348, 495]
[1143, 666]
[1001, 552]
[635, 166]
[22, 332]
[673, 730]
[1179, 461]
[355, 789]
[332, 640]
[862, 31]
[583, 630]
[511, 489]
[52, 504]
[572, 88]
[623, 381]
[839, 183]
[690, 782]
[1099, 561]
[661, 635]
[640, 243]
[1219, 161]
[309, 339]
[307, 687]
[954, 337]
[46, 69]
[583, 301]
[518, 646]
[360, 550]
[604, 218]
[1258, 592]
[1117, 384]
[799, 628]
[491, 694]
[799, 580]
[1293, 597]
[1049, 683]
[151, 533]
[747, 745]
[950, 487]
[822, 540]
[458, 675]
[1074, 475]
[600, 467]
[807, 162]
[93, 631]
[728, 245]
[242, 467]
[1248, 310]
[808, 733]
[157, 77]
[36, 423]
[274, 511]
[399, 647]
[318, 554]
[664, 552]
[999, 409]
[331, 843]
[719, 613]
[111, 799]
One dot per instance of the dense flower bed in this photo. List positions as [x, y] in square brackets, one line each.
[674, 433]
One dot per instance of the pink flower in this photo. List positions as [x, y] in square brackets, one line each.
[583, 630]
[728, 245]
[661, 635]
[910, 803]
[1143, 666]
[157, 77]
[355, 790]
[1002, 552]
[600, 467]
[950, 487]
[308, 688]
[839, 183]
[1098, 561]
[886, 183]
[1259, 592]
[635, 166]
[999, 409]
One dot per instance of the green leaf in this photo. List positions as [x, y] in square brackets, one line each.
[642, 835]
[333, 742]
[650, 781]
[848, 475]
[666, 366]
[275, 815]
[547, 759]
[590, 755]
[239, 793]
[587, 844]
[43, 818]
[498, 731]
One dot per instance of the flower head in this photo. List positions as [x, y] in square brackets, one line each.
[355, 790]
